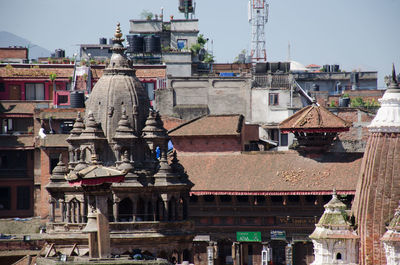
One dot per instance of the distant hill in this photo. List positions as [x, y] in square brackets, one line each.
[8, 39]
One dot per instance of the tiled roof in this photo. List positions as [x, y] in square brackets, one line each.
[151, 73]
[65, 71]
[210, 126]
[35, 72]
[315, 118]
[171, 122]
[16, 108]
[313, 65]
[61, 114]
[272, 172]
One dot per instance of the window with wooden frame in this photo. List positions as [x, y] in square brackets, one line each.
[273, 99]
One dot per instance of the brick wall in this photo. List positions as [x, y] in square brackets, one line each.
[14, 53]
[355, 139]
[207, 144]
[42, 201]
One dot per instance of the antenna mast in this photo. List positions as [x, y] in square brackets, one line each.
[258, 17]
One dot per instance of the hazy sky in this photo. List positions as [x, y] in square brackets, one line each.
[357, 34]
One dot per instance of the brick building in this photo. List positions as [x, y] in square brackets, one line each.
[265, 193]
[14, 54]
[16, 159]
[215, 133]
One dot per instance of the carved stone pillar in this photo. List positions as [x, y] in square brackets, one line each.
[80, 219]
[115, 208]
[117, 151]
[62, 208]
[165, 199]
[180, 209]
[52, 209]
[154, 208]
[68, 212]
[134, 207]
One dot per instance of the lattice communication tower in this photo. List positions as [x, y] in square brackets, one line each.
[258, 17]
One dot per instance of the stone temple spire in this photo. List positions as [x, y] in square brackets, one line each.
[118, 89]
[377, 193]
[388, 117]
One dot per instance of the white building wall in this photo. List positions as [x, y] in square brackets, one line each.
[326, 251]
[392, 251]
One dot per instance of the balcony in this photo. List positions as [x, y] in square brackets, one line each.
[53, 140]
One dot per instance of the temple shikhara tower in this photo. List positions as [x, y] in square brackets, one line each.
[114, 178]
[378, 189]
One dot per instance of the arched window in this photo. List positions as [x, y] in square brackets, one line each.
[75, 211]
[125, 210]
[339, 256]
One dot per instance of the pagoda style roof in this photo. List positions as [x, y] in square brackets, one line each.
[314, 118]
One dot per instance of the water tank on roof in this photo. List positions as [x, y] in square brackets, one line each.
[344, 102]
[284, 67]
[136, 43]
[152, 44]
[274, 67]
[103, 41]
[77, 99]
[261, 68]
[183, 4]
[59, 53]
[335, 68]
[354, 77]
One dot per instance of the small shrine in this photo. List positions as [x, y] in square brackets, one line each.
[335, 241]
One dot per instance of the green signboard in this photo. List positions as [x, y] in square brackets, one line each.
[248, 236]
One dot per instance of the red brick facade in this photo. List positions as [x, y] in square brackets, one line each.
[13, 53]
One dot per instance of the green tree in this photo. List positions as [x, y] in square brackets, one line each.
[146, 14]
[195, 49]
[209, 58]
[357, 102]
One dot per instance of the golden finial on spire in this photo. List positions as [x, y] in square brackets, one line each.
[118, 33]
